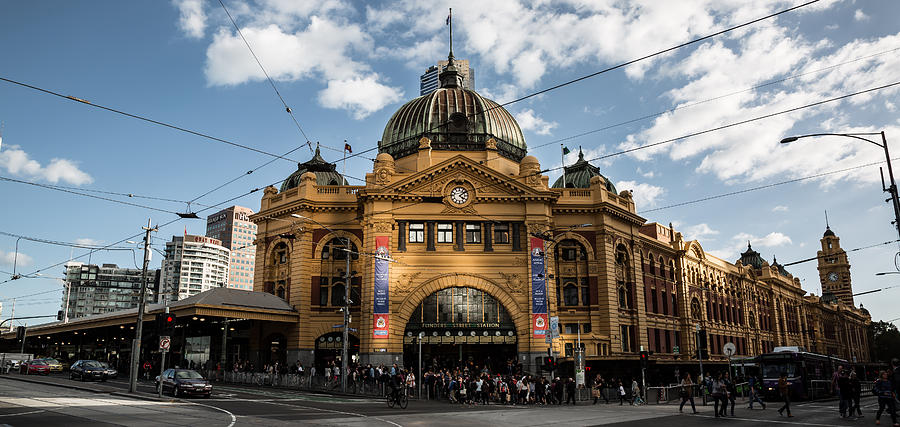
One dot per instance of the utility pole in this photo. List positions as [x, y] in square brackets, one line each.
[136, 345]
[345, 364]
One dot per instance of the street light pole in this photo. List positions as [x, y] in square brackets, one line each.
[136, 345]
[892, 189]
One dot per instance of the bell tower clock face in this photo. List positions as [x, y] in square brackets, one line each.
[459, 195]
[832, 277]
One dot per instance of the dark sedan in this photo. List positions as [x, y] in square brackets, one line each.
[184, 382]
[87, 370]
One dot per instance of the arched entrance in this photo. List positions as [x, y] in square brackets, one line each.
[329, 346]
[461, 327]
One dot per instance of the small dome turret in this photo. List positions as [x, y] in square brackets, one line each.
[326, 173]
[579, 175]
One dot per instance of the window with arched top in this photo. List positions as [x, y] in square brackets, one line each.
[652, 265]
[662, 266]
[570, 294]
[336, 249]
[280, 292]
[337, 294]
[672, 270]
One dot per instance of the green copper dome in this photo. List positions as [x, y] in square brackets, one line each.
[325, 173]
[454, 119]
[579, 175]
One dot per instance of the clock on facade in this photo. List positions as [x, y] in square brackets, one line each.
[459, 195]
[833, 277]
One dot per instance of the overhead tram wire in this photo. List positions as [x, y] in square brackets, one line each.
[153, 121]
[848, 250]
[762, 187]
[51, 187]
[117, 193]
[59, 243]
[715, 98]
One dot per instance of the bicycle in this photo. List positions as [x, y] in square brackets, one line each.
[401, 399]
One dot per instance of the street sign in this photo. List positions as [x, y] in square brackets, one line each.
[353, 330]
[164, 343]
[548, 339]
[728, 349]
[554, 326]
[676, 350]
[337, 325]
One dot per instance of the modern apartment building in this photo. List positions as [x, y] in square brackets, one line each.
[193, 264]
[92, 289]
[233, 227]
[429, 81]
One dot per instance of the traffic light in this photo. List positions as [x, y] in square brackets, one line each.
[20, 333]
[169, 322]
[645, 357]
[549, 363]
[59, 315]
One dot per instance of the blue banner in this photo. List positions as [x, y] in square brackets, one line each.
[538, 277]
[382, 276]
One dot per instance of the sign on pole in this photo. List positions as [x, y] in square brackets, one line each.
[164, 343]
[554, 326]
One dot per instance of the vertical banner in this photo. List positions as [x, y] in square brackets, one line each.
[382, 287]
[539, 321]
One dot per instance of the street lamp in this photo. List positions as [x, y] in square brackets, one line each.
[345, 363]
[892, 189]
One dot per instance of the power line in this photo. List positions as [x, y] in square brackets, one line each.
[272, 83]
[116, 193]
[135, 116]
[848, 250]
[51, 187]
[762, 187]
[59, 243]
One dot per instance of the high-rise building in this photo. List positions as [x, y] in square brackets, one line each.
[193, 264]
[233, 227]
[429, 82]
[92, 289]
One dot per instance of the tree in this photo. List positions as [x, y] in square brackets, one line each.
[885, 339]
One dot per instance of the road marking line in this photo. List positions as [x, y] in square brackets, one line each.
[321, 410]
[233, 418]
[768, 421]
[23, 413]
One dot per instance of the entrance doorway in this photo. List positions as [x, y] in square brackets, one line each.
[460, 327]
[329, 347]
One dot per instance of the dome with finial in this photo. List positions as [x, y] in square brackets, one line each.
[781, 270]
[454, 119]
[326, 173]
[579, 174]
[751, 257]
[828, 232]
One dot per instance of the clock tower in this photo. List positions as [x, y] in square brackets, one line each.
[834, 268]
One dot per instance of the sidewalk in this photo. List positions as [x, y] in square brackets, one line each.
[88, 386]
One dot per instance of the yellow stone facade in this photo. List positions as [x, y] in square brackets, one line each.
[616, 282]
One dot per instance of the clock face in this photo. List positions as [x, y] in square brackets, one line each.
[459, 195]
[833, 276]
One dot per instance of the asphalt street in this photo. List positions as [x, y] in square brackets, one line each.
[106, 404]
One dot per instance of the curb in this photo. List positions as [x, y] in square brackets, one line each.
[142, 396]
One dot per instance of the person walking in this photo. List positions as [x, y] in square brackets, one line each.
[730, 392]
[784, 388]
[753, 383]
[836, 389]
[716, 392]
[687, 392]
[884, 389]
[855, 393]
[621, 393]
[635, 392]
[844, 393]
[570, 391]
[597, 389]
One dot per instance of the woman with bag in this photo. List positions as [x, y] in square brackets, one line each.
[687, 392]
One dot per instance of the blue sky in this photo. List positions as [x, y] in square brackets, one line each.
[344, 67]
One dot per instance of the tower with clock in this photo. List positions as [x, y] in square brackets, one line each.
[834, 268]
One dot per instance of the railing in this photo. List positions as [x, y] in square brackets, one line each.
[672, 393]
[301, 382]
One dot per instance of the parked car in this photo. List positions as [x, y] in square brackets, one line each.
[53, 364]
[87, 370]
[35, 367]
[12, 364]
[184, 382]
[110, 371]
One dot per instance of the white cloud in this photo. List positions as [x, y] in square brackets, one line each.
[323, 50]
[699, 232]
[8, 258]
[645, 195]
[739, 244]
[17, 162]
[362, 96]
[529, 121]
[192, 19]
[780, 208]
[87, 241]
[860, 16]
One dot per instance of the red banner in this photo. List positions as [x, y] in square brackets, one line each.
[382, 322]
[540, 325]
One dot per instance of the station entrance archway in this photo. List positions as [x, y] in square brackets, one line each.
[460, 327]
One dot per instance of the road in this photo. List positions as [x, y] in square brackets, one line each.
[40, 404]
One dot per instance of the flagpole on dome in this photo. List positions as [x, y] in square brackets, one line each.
[450, 24]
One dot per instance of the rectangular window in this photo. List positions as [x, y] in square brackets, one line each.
[473, 233]
[416, 232]
[665, 303]
[571, 328]
[586, 328]
[501, 234]
[323, 291]
[653, 301]
[445, 233]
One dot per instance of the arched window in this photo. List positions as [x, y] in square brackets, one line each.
[672, 270]
[652, 264]
[336, 249]
[696, 312]
[280, 292]
[570, 294]
[662, 266]
[280, 254]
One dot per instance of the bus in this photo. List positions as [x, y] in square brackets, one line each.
[809, 373]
